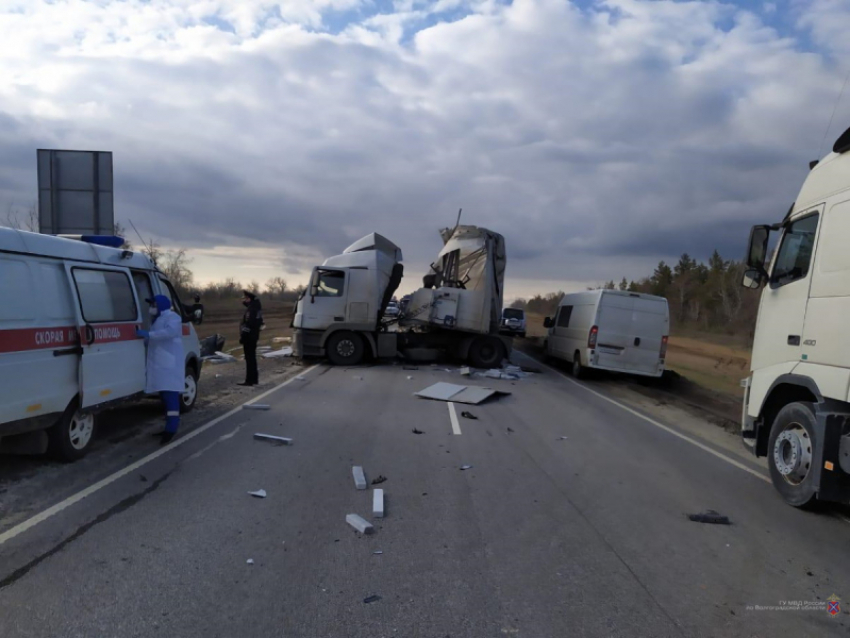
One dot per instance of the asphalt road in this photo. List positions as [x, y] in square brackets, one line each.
[542, 537]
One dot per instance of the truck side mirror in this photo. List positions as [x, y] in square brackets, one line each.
[757, 250]
[752, 279]
[548, 323]
[314, 290]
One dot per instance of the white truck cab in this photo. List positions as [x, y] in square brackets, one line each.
[796, 405]
[69, 310]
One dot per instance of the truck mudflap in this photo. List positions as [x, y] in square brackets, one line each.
[832, 447]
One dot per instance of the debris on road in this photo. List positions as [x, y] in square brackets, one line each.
[250, 561]
[258, 493]
[465, 371]
[263, 348]
[378, 552]
[357, 378]
[468, 415]
[256, 406]
[219, 357]
[360, 524]
[532, 369]
[469, 394]
[562, 438]
[372, 599]
[711, 517]
[270, 438]
[409, 378]
[359, 477]
[381, 479]
[283, 352]
[281, 339]
[301, 377]
[409, 367]
[465, 467]
[510, 430]
[378, 503]
[415, 431]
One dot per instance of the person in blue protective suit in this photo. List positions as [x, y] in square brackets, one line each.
[165, 363]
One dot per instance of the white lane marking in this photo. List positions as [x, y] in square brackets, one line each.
[453, 416]
[91, 489]
[684, 437]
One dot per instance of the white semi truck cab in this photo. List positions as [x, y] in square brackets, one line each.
[457, 311]
[797, 399]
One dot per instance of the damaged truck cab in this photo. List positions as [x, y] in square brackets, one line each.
[457, 311]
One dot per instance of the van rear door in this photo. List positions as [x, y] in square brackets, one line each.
[630, 333]
[112, 365]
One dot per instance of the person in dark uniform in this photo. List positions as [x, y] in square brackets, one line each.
[249, 335]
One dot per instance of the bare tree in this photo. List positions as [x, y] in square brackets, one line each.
[21, 219]
[175, 265]
[276, 287]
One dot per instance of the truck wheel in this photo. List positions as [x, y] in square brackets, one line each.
[486, 353]
[345, 348]
[578, 370]
[789, 453]
[72, 436]
[190, 390]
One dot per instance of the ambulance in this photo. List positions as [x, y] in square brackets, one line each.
[69, 310]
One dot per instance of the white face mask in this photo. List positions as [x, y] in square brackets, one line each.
[154, 312]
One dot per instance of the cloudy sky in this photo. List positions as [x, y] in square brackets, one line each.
[599, 136]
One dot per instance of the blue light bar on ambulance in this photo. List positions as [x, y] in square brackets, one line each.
[112, 241]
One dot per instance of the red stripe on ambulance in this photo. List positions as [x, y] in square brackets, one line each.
[38, 338]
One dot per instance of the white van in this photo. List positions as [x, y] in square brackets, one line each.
[610, 330]
[69, 310]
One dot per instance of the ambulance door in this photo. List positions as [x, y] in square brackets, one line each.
[112, 365]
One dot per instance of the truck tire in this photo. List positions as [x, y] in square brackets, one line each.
[345, 348]
[486, 352]
[72, 435]
[789, 453]
[578, 370]
[190, 390]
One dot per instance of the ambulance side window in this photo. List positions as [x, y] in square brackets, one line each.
[16, 284]
[105, 295]
[142, 282]
[176, 305]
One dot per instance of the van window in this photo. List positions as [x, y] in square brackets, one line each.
[795, 252]
[56, 293]
[331, 283]
[142, 282]
[16, 284]
[564, 314]
[105, 295]
[176, 304]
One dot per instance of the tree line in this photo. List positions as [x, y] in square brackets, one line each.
[702, 296]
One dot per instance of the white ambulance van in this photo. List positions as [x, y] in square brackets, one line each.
[610, 330]
[69, 310]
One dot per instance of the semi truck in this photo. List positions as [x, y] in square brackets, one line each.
[457, 311]
[796, 400]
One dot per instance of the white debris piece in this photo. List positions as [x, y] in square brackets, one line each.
[263, 348]
[256, 406]
[219, 357]
[281, 339]
[472, 395]
[409, 378]
[301, 377]
[360, 524]
[277, 440]
[465, 372]
[359, 477]
[250, 561]
[378, 503]
[562, 438]
[258, 493]
[283, 352]
[379, 552]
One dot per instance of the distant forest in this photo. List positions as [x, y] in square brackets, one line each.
[702, 296]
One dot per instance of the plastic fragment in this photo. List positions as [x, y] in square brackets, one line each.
[256, 406]
[468, 415]
[381, 478]
[371, 599]
[465, 467]
[360, 524]
[711, 517]
[258, 493]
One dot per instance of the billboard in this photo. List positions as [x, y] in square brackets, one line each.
[75, 192]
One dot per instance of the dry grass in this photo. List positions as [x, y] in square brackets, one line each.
[715, 362]
[224, 317]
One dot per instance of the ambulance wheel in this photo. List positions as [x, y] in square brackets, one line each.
[72, 436]
[486, 352]
[190, 390]
[345, 348]
[789, 454]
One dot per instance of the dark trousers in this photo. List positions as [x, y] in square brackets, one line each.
[252, 374]
[172, 410]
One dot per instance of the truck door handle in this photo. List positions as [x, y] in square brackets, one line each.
[793, 340]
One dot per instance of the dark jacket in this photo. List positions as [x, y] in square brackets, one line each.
[252, 321]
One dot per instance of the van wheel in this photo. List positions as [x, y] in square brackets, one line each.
[486, 353]
[72, 436]
[345, 348]
[578, 370]
[789, 453]
[190, 390]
